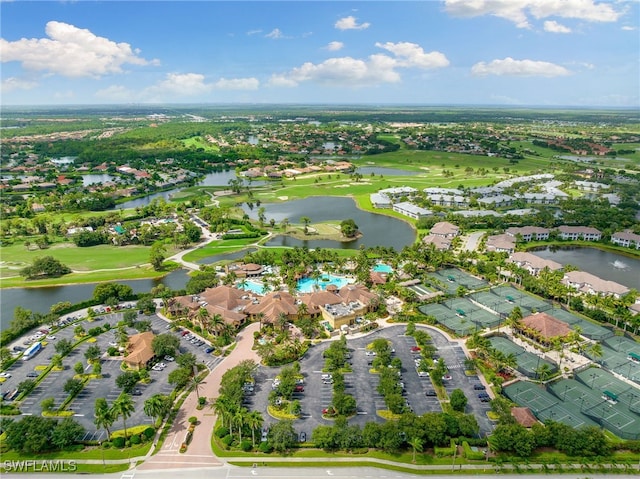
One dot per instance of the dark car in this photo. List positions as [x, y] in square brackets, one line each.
[430, 392]
[137, 392]
[32, 374]
[299, 389]
[479, 387]
[209, 350]
[303, 436]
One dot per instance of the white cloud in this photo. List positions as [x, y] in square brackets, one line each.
[353, 72]
[71, 52]
[237, 84]
[13, 83]
[254, 32]
[275, 34]
[350, 23]
[413, 55]
[179, 85]
[518, 11]
[555, 27]
[628, 28]
[520, 68]
[334, 46]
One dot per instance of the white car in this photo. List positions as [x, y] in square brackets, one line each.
[370, 353]
[51, 337]
[169, 358]
[113, 344]
[327, 377]
[5, 375]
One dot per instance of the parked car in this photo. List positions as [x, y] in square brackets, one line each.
[136, 392]
[446, 377]
[5, 375]
[479, 387]
[265, 433]
[430, 392]
[370, 353]
[423, 374]
[169, 358]
[416, 349]
[298, 389]
[32, 374]
[303, 437]
[209, 350]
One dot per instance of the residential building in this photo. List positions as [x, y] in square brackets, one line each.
[445, 229]
[411, 210]
[532, 263]
[529, 233]
[585, 233]
[591, 284]
[501, 243]
[626, 238]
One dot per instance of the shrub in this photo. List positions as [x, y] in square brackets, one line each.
[246, 446]
[222, 431]
[193, 420]
[265, 447]
[471, 454]
[106, 445]
[135, 439]
[149, 432]
[227, 440]
[118, 442]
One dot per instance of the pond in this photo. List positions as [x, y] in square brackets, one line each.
[41, 299]
[377, 230]
[93, 179]
[604, 264]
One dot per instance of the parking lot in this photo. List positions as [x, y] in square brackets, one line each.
[83, 404]
[363, 385]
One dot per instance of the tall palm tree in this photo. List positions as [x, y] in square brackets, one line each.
[196, 381]
[281, 321]
[543, 372]
[156, 406]
[222, 407]
[204, 318]
[216, 323]
[239, 418]
[123, 407]
[103, 416]
[255, 422]
[416, 444]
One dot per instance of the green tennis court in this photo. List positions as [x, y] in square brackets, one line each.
[587, 328]
[528, 363]
[451, 279]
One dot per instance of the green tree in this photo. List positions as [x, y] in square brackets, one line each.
[79, 367]
[179, 377]
[254, 422]
[157, 406]
[47, 404]
[416, 445]
[32, 434]
[73, 386]
[282, 436]
[26, 386]
[165, 345]
[66, 433]
[103, 416]
[123, 407]
[45, 267]
[157, 255]
[92, 353]
[127, 381]
[458, 400]
[305, 221]
[63, 346]
[348, 228]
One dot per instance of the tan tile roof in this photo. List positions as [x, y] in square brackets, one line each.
[139, 347]
[548, 326]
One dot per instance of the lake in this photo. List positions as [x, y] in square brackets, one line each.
[377, 230]
[41, 299]
[604, 264]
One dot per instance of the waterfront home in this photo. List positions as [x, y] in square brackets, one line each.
[584, 233]
[395, 194]
[379, 200]
[412, 211]
[591, 284]
[626, 238]
[532, 263]
[528, 233]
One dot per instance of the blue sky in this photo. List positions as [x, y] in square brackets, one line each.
[449, 52]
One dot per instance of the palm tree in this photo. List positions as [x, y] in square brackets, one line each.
[305, 221]
[254, 421]
[416, 444]
[543, 372]
[284, 223]
[281, 321]
[204, 318]
[156, 406]
[222, 407]
[123, 406]
[216, 323]
[595, 350]
[239, 419]
[103, 416]
[196, 381]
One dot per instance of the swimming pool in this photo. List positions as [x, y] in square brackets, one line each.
[382, 268]
[308, 285]
[253, 286]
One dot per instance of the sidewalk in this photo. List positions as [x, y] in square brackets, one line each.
[199, 453]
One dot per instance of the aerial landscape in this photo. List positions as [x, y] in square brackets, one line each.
[243, 238]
